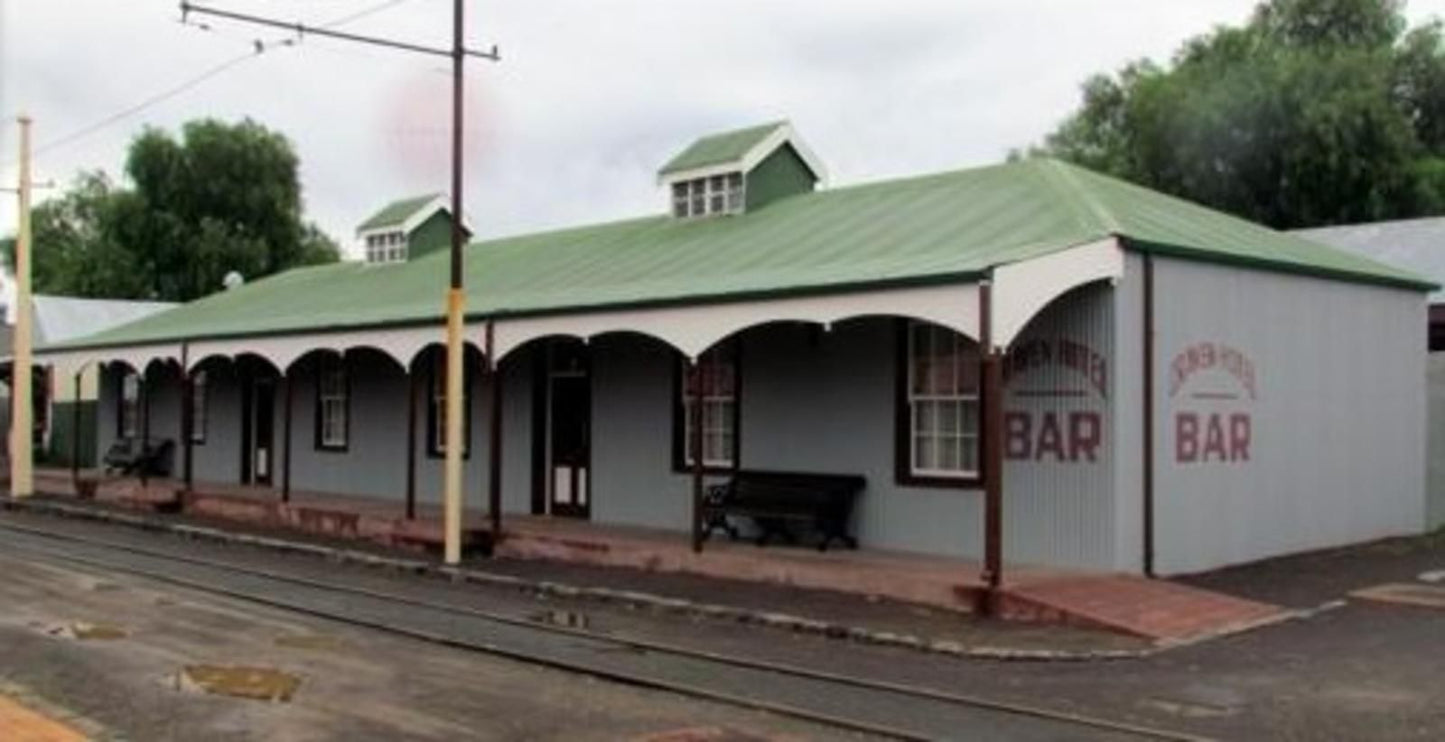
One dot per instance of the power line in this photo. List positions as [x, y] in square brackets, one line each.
[147, 103]
[259, 47]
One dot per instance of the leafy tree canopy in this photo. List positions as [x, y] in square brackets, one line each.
[224, 197]
[1315, 112]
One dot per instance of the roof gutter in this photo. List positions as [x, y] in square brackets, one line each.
[958, 277]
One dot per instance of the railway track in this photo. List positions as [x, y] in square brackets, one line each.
[861, 705]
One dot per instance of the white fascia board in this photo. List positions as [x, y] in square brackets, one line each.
[138, 357]
[692, 329]
[782, 135]
[1021, 290]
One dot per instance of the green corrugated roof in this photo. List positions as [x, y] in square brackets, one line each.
[396, 213]
[946, 227]
[719, 149]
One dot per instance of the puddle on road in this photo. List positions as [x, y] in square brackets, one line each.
[565, 619]
[1427, 596]
[313, 641]
[1186, 710]
[703, 734]
[254, 683]
[82, 631]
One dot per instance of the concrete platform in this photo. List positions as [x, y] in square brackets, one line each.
[1159, 610]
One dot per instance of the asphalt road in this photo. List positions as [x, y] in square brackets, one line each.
[447, 621]
[1361, 671]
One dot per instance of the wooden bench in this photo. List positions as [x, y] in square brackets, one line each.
[133, 457]
[778, 502]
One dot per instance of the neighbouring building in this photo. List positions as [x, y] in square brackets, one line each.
[1419, 245]
[1182, 389]
[60, 402]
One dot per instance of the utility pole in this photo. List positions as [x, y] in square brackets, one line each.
[456, 306]
[22, 482]
[455, 296]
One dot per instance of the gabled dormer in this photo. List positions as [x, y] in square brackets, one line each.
[407, 229]
[740, 171]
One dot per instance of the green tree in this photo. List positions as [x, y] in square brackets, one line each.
[1314, 112]
[223, 197]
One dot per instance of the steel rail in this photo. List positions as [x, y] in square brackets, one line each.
[648, 645]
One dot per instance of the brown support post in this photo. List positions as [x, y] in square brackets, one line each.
[695, 372]
[286, 437]
[144, 389]
[1148, 406]
[410, 444]
[494, 442]
[188, 418]
[75, 438]
[991, 375]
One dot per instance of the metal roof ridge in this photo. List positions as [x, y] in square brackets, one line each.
[1061, 176]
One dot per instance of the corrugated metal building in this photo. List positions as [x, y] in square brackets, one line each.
[1417, 244]
[1169, 389]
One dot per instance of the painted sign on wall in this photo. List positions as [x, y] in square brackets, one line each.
[1062, 384]
[1214, 386]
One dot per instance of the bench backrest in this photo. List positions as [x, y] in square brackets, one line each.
[798, 491]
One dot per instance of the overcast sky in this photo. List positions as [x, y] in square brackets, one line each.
[591, 96]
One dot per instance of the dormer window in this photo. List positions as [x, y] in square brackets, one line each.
[407, 230]
[739, 172]
[386, 247]
[716, 194]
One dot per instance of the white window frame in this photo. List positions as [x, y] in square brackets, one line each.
[709, 196]
[333, 400]
[438, 409]
[959, 391]
[719, 404]
[198, 407]
[387, 247]
[129, 404]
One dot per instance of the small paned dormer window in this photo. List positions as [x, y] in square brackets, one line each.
[386, 247]
[717, 194]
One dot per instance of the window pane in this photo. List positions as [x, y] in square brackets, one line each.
[949, 457]
[923, 454]
[717, 203]
[970, 453]
[924, 417]
[948, 417]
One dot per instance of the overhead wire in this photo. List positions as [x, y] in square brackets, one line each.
[259, 47]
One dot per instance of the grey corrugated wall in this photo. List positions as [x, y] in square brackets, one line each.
[1436, 450]
[1059, 472]
[1336, 437]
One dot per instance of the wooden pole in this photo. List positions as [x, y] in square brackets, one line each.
[991, 376]
[286, 416]
[22, 482]
[695, 372]
[456, 301]
[188, 417]
[75, 437]
[494, 441]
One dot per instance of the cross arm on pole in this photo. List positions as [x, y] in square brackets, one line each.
[301, 29]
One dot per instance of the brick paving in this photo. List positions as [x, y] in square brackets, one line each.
[1157, 610]
[19, 723]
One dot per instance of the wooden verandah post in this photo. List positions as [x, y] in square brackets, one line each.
[991, 378]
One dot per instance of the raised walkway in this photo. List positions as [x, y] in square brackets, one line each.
[1159, 610]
